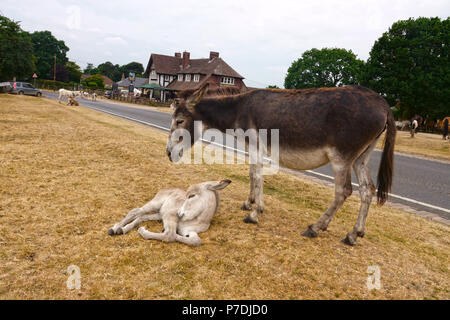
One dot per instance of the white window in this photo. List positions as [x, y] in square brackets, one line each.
[188, 77]
[166, 78]
[180, 77]
[196, 77]
[227, 80]
[153, 75]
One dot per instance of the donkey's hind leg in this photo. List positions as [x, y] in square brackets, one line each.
[137, 221]
[366, 192]
[342, 189]
[152, 206]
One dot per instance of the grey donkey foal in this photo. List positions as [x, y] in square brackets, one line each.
[184, 214]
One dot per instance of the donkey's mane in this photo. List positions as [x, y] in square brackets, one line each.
[218, 92]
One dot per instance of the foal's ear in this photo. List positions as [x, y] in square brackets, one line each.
[195, 98]
[219, 185]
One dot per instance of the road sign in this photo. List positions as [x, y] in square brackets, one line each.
[35, 76]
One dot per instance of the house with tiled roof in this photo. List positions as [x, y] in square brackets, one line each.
[180, 72]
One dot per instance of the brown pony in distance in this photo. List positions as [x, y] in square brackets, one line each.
[316, 126]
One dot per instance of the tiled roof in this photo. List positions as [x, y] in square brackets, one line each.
[186, 85]
[137, 82]
[173, 65]
[215, 66]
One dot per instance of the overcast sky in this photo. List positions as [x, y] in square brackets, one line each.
[259, 39]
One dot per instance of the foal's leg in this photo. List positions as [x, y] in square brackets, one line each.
[137, 221]
[251, 198]
[366, 191]
[341, 191]
[169, 234]
[152, 206]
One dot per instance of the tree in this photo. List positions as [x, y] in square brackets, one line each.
[328, 67]
[89, 69]
[61, 73]
[135, 67]
[409, 65]
[273, 87]
[110, 70]
[94, 82]
[74, 71]
[46, 46]
[16, 51]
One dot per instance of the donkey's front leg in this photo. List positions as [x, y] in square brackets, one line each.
[166, 236]
[259, 195]
[151, 206]
[247, 205]
[137, 221]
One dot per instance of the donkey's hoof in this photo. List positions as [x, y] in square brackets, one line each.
[309, 233]
[246, 207]
[249, 219]
[360, 234]
[111, 232]
[350, 239]
[119, 231]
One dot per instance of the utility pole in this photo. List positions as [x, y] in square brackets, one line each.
[54, 75]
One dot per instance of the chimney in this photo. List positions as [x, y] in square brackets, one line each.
[213, 54]
[178, 54]
[186, 59]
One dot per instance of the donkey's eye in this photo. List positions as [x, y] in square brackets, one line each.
[179, 122]
[191, 196]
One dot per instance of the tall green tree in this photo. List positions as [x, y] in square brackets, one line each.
[46, 46]
[110, 70]
[74, 71]
[409, 65]
[328, 67]
[90, 69]
[135, 67]
[16, 51]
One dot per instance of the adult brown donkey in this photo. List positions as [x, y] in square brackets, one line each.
[316, 126]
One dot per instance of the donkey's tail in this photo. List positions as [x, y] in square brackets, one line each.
[386, 170]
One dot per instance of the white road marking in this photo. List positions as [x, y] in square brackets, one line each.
[244, 152]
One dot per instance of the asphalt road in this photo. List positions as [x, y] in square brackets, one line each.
[418, 183]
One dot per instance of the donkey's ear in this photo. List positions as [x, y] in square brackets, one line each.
[195, 98]
[219, 185]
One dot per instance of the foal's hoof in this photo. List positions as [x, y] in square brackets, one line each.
[111, 232]
[350, 239]
[246, 207]
[309, 233]
[119, 231]
[360, 234]
[249, 219]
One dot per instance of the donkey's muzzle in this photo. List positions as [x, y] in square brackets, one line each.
[169, 154]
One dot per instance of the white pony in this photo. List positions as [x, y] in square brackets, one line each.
[65, 93]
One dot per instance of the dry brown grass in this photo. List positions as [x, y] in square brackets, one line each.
[426, 145]
[68, 173]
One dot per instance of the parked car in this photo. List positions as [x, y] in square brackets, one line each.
[108, 94]
[25, 88]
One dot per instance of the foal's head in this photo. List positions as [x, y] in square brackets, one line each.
[200, 198]
[183, 119]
